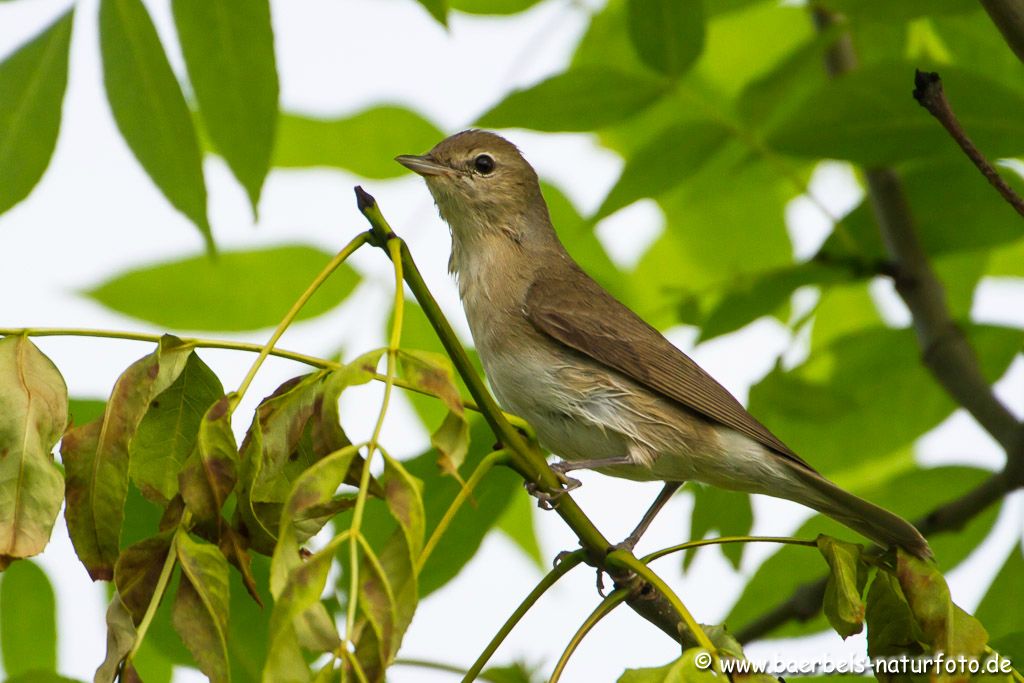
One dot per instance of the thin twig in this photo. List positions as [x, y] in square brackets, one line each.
[929, 93]
[566, 564]
[603, 609]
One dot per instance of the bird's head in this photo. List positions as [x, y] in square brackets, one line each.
[481, 184]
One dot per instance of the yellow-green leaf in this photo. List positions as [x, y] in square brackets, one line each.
[33, 415]
[847, 577]
[202, 604]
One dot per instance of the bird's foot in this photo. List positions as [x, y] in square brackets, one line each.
[546, 500]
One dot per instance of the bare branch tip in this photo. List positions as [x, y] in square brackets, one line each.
[927, 87]
[364, 200]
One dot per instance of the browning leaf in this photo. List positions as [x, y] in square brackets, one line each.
[96, 457]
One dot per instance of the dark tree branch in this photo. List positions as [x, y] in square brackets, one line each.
[945, 351]
[929, 93]
[1008, 16]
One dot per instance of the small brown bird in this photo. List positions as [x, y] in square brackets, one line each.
[602, 388]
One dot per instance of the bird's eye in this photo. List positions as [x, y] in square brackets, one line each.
[484, 164]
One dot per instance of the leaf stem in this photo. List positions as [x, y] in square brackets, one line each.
[393, 246]
[614, 599]
[161, 587]
[566, 564]
[335, 263]
[785, 540]
[490, 460]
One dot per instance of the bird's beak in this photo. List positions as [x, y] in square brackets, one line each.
[424, 165]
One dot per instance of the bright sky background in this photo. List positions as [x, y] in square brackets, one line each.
[96, 213]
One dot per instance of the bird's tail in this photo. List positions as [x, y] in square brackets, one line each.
[874, 522]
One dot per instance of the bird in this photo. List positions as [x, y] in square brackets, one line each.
[602, 388]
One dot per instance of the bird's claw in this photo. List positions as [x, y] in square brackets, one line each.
[546, 499]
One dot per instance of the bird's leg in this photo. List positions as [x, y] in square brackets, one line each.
[563, 466]
[634, 537]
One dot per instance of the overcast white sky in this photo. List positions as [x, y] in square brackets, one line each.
[96, 213]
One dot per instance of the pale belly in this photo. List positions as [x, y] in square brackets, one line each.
[595, 420]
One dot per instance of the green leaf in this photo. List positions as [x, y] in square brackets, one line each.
[120, 639]
[746, 299]
[82, 410]
[728, 512]
[973, 41]
[229, 52]
[668, 159]
[437, 9]
[865, 393]
[202, 605]
[211, 470]
[683, 669]
[1010, 646]
[167, 434]
[32, 80]
[580, 240]
[1007, 587]
[492, 6]
[869, 10]
[207, 295]
[365, 143]
[892, 629]
[33, 414]
[580, 99]
[28, 620]
[96, 457]
[667, 34]
[847, 577]
[150, 110]
[775, 95]
[715, 232]
[868, 116]
[965, 215]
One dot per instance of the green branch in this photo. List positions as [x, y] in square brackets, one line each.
[659, 605]
[616, 598]
[565, 564]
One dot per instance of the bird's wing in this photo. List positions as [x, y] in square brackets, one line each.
[577, 312]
